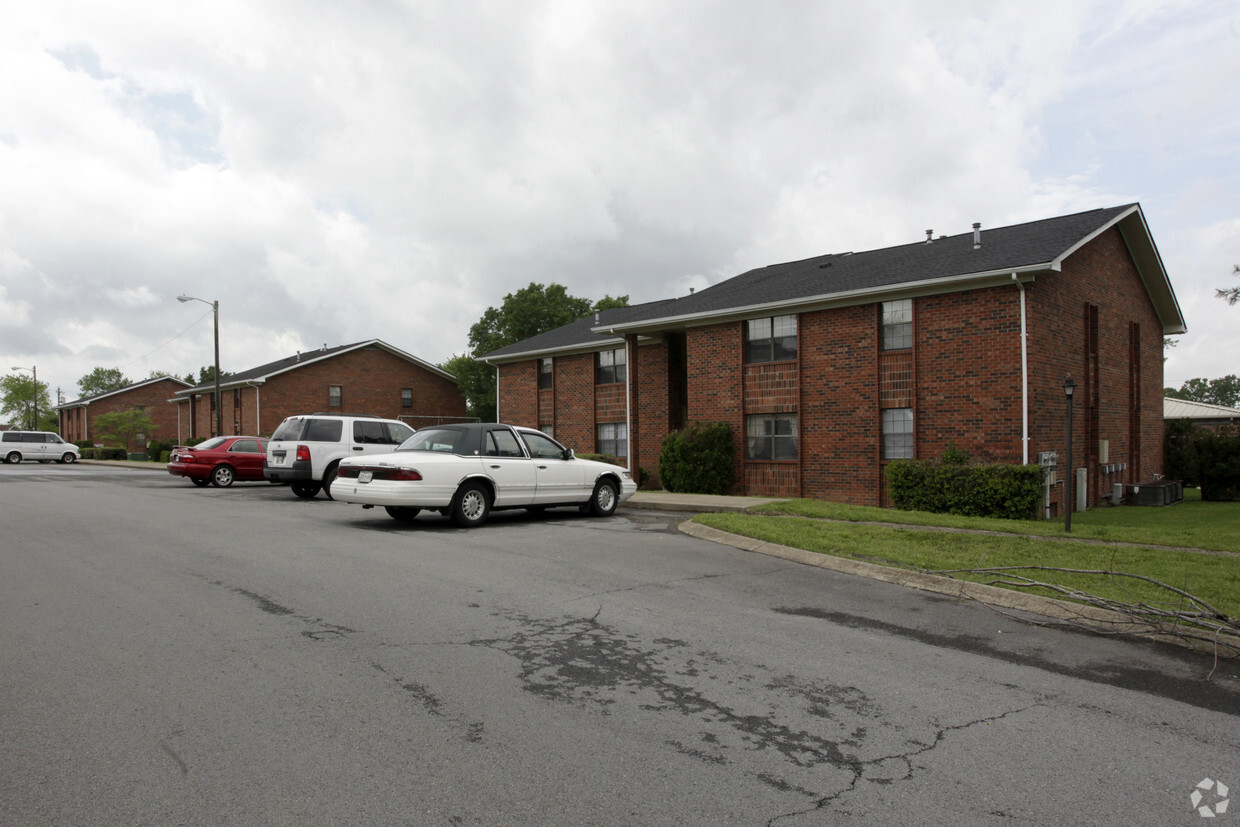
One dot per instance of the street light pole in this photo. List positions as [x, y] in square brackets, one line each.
[1068, 387]
[215, 308]
[35, 371]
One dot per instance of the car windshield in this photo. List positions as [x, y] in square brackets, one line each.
[443, 440]
[213, 442]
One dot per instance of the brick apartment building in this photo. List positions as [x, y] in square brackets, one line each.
[370, 377]
[831, 367]
[151, 396]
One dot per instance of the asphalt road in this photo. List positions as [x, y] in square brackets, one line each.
[173, 655]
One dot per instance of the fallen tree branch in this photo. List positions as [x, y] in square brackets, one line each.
[1185, 617]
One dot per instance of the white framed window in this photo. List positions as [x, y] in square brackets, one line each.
[335, 396]
[771, 436]
[898, 433]
[898, 324]
[609, 367]
[613, 439]
[406, 397]
[544, 373]
[773, 339]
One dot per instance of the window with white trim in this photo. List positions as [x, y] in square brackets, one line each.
[773, 339]
[613, 439]
[898, 324]
[771, 436]
[609, 367]
[898, 433]
[544, 373]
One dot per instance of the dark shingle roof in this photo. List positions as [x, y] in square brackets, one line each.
[1032, 246]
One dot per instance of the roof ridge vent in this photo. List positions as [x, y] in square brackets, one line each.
[929, 236]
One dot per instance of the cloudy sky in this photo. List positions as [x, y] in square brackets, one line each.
[333, 172]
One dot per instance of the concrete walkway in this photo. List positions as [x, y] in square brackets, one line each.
[697, 503]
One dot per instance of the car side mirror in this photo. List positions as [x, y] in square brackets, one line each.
[568, 453]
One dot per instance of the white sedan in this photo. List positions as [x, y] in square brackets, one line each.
[464, 471]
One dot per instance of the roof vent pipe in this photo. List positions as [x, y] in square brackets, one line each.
[691, 289]
[929, 236]
[977, 235]
[596, 317]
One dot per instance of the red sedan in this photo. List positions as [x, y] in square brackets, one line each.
[220, 460]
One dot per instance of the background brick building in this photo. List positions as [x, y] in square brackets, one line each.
[152, 397]
[829, 368]
[370, 377]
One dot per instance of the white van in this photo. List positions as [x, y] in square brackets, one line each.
[43, 446]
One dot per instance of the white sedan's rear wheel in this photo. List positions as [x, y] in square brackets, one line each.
[471, 505]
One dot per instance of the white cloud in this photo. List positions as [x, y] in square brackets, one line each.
[333, 173]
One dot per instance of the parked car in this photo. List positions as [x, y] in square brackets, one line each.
[466, 471]
[43, 446]
[305, 450]
[220, 461]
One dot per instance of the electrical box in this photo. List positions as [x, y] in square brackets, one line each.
[1048, 459]
[1104, 451]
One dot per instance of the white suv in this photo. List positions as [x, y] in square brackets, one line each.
[43, 446]
[305, 450]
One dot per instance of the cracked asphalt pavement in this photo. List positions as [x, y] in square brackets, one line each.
[238, 656]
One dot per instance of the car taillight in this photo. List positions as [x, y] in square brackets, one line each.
[406, 475]
[346, 471]
[183, 458]
[303, 453]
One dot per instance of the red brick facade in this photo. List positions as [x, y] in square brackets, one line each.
[370, 379]
[77, 419]
[962, 379]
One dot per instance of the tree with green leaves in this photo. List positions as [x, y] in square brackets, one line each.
[121, 428]
[20, 394]
[1231, 295]
[1223, 391]
[527, 312]
[101, 380]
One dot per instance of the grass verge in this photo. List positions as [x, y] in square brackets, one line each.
[1190, 524]
[1214, 578]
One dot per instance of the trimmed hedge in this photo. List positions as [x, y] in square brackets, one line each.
[1011, 492]
[698, 459]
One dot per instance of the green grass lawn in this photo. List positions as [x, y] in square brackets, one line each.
[843, 531]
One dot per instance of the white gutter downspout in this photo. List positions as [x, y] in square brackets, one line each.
[497, 417]
[1024, 376]
[628, 404]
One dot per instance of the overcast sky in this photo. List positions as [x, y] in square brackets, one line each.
[333, 172]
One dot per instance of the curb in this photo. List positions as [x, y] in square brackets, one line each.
[1101, 620]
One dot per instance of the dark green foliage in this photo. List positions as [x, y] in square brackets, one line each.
[1205, 457]
[1218, 457]
[165, 457]
[698, 459]
[1012, 492]
[155, 448]
[1180, 452]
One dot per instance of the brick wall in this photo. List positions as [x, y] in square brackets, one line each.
[1101, 276]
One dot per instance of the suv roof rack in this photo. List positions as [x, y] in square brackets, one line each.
[345, 413]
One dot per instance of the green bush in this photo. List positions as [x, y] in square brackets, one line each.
[165, 457]
[1218, 460]
[698, 459]
[155, 448]
[1012, 492]
[1180, 455]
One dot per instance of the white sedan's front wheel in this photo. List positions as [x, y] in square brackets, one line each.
[604, 500]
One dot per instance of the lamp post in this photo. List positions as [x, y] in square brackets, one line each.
[35, 371]
[1068, 387]
[215, 308]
